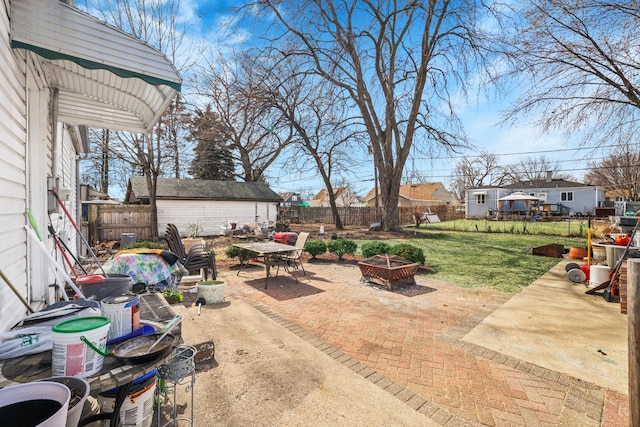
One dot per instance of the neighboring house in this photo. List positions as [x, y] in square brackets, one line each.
[291, 199]
[344, 198]
[615, 196]
[555, 195]
[62, 71]
[210, 203]
[424, 194]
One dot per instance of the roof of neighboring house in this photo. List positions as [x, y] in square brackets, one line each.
[423, 191]
[536, 183]
[545, 183]
[615, 193]
[323, 194]
[287, 195]
[171, 188]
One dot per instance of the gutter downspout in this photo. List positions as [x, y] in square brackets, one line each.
[81, 147]
[54, 132]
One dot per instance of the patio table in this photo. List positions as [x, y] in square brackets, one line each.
[269, 251]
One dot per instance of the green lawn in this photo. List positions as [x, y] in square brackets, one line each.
[573, 227]
[494, 260]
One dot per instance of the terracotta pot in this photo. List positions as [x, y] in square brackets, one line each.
[577, 252]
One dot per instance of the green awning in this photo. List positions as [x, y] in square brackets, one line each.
[105, 77]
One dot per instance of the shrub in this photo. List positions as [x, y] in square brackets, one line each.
[370, 249]
[408, 252]
[342, 247]
[315, 247]
[145, 245]
[236, 252]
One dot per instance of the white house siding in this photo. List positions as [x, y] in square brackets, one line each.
[212, 215]
[475, 210]
[585, 199]
[13, 251]
[66, 173]
[25, 164]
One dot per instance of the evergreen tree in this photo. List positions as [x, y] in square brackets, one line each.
[212, 159]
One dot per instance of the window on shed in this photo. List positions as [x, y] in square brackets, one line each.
[566, 196]
[542, 197]
[481, 199]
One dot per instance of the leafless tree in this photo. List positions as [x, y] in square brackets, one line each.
[578, 61]
[324, 132]
[483, 170]
[620, 171]
[256, 133]
[401, 64]
[155, 22]
[536, 168]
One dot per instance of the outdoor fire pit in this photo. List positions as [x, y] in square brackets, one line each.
[388, 270]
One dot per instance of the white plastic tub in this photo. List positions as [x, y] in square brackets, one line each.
[71, 356]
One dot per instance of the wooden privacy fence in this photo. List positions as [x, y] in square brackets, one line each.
[109, 222]
[364, 216]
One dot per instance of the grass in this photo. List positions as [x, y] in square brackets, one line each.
[569, 228]
[491, 260]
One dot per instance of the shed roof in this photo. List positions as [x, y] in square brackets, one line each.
[203, 189]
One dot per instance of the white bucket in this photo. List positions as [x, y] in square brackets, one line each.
[212, 291]
[39, 404]
[71, 356]
[599, 253]
[598, 274]
[124, 313]
[137, 408]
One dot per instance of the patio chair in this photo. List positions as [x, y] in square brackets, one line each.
[196, 260]
[293, 260]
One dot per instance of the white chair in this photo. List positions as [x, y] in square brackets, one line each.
[293, 260]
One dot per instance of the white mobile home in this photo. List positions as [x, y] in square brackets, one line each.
[63, 71]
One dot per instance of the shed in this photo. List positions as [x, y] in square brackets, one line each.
[212, 204]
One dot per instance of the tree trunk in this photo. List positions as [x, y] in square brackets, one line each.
[390, 190]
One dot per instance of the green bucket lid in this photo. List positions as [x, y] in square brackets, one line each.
[81, 324]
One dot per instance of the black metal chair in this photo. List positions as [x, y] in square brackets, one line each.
[196, 260]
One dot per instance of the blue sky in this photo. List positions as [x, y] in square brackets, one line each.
[205, 23]
[480, 116]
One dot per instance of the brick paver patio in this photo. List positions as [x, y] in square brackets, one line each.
[409, 343]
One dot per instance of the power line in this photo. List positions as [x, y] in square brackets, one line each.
[517, 153]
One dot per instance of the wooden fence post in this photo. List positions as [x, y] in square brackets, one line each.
[633, 316]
